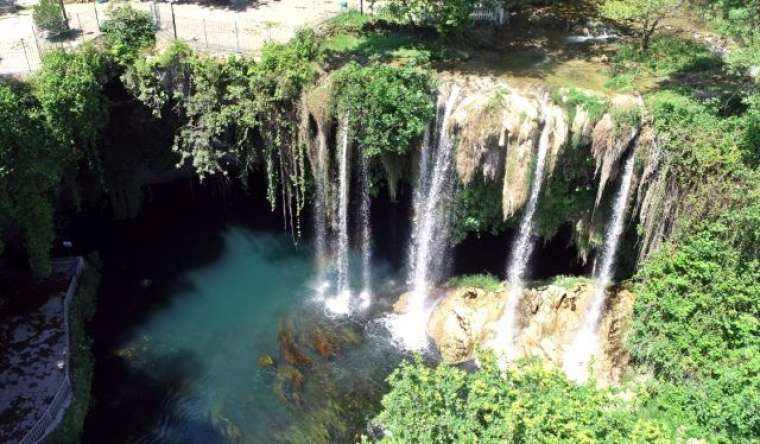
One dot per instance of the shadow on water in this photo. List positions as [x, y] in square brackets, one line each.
[145, 266]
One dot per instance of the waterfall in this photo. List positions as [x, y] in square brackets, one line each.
[341, 303]
[366, 236]
[523, 245]
[585, 343]
[430, 236]
[320, 217]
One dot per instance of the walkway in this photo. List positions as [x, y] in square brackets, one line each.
[34, 359]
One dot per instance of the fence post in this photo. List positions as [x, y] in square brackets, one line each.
[26, 56]
[97, 19]
[37, 44]
[174, 21]
[237, 37]
[79, 22]
[205, 35]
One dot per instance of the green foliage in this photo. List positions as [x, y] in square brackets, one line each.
[644, 15]
[594, 105]
[388, 107]
[698, 142]
[697, 325]
[477, 209]
[568, 197]
[32, 162]
[740, 20]
[127, 31]
[47, 131]
[69, 430]
[485, 281]
[665, 56]
[47, 15]
[69, 87]
[526, 404]
[448, 17]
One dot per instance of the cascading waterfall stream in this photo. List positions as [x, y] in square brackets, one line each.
[366, 236]
[341, 302]
[523, 246]
[585, 344]
[430, 236]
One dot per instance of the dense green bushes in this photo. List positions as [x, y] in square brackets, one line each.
[527, 404]
[126, 32]
[48, 132]
[697, 325]
[48, 15]
[31, 172]
[388, 107]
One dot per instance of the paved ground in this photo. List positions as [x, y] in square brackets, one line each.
[33, 352]
[212, 29]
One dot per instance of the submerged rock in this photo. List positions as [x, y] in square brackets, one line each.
[266, 360]
[225, 426]
[289, 350]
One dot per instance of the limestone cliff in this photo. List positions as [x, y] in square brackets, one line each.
[549, 316]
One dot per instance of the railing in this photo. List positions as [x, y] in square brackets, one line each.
[57, 407]
[495, 15]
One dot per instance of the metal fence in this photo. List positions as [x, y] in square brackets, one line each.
[227, 32]
[63, 396]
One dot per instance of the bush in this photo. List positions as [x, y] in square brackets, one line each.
[527, 404]
[485, 281]
[389, 107]
[127, 31]
[477, 210]
[47, 15]
[448, 17]
[697, 325]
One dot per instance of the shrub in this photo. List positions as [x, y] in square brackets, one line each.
[47, 15]
[485, 281]
[526, 404]
[389, 107]
[696, 324]
[127, 31]
[448, 17]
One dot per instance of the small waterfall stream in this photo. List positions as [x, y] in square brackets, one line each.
[579, 354]
[430, 236]
[523, 245]
[366, 236]
[341, 302]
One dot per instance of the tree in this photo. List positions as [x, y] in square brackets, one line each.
[127, 31]
[48, 15]
[643, 15]
[446, 16]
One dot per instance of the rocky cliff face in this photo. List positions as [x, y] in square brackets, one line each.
[549, 316]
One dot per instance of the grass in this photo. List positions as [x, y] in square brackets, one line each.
[485, 281]
[69, 431]
[666, 56]
[594, 105]
[352, 36]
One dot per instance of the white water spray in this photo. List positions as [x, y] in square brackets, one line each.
[430, 236]
[585, 345]
[365, 297]
[341, 303]
[523, 245]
